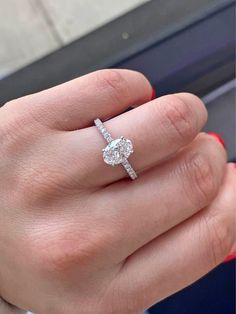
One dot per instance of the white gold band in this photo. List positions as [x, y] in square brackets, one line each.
[102, 129]
[129, 169]
[122, 148]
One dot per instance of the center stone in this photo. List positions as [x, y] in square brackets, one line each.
[117, 151]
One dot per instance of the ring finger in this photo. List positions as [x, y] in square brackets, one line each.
[157, 129]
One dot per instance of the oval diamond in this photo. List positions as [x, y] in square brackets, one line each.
[117, 151]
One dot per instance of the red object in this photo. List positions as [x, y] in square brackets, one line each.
[235, 166]
[230, 257]
[217, 137]
[153, 94]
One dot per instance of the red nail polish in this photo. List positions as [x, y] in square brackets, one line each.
[153, 94]
[218, 138]
[235, 165]
[230, 257]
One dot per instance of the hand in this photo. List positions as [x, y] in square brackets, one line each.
[76, 235]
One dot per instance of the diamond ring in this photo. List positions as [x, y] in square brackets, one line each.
[117, 151]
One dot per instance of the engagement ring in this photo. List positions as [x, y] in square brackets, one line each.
[117, 151]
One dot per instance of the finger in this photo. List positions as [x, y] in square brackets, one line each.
[157, 130]
[184, 254]
[77, 103]
[164, 196]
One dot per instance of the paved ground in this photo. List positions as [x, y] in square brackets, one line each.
[30, 29]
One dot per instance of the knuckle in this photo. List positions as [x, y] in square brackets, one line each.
[60, 250]
[13, 126]
[44, 181]
[179, 118]
[218, 237]
[202, 178]
[113, 81]
[41, 184]
[6, 126]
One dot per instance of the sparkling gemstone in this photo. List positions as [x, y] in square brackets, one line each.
[117, 151]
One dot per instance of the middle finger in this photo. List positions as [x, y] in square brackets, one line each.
[165, 195]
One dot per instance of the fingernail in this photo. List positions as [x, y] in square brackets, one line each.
[218, 138]
[230, 257]
[153, 94]
[235, 165]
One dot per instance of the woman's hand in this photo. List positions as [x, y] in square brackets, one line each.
[76, 235]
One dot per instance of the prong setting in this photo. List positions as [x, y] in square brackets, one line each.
[117, 150]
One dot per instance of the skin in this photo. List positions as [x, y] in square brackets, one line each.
[77, 236]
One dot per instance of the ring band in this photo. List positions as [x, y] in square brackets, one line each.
[117, 151]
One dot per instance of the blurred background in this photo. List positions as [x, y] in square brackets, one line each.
[31, 29]
[184, 45]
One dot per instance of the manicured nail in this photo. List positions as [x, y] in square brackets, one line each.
[230, 257]
[235, 165]
[153, 94]
[218, 138]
